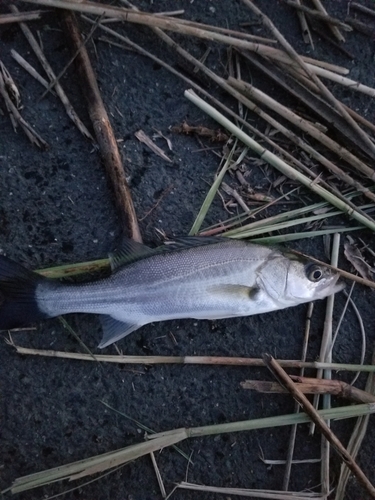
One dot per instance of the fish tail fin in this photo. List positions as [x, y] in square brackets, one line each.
[18, 304]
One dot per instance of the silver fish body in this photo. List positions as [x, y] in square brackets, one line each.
[216, 279]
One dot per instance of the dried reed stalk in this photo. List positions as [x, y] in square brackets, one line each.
[335, 31]
[275, 161]
[306, 33]
[27, 67]
[347, 459]
[309, 98]
[323, 89]
[318, 14]
[313, 386]
[306, 126]
[227, 110]
[21, 16]
[179, 26]
[186, 360]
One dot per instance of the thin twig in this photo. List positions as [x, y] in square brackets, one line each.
[293, 432]
[27, 67]
[103, 130]
[317, 14]
[335, 31]
[51, 75]
[21, 16]
[313, 386]
[33, 136]
[347, 459]
[71, 60]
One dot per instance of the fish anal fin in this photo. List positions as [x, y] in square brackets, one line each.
[114, 330]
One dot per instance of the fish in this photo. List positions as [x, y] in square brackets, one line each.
[192, 277]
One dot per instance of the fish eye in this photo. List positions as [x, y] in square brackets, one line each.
[314, 272]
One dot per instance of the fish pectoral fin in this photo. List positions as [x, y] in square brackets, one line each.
[114, 330]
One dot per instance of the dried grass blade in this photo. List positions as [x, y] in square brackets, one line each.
[93, 465]
[259, 494]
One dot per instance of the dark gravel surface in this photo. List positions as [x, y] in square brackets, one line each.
[57, 207]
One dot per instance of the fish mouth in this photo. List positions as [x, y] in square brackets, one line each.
[337, 287]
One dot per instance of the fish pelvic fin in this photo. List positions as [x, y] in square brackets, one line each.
[18, 304]
[114, 330]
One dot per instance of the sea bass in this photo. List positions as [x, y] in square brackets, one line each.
[194, 277]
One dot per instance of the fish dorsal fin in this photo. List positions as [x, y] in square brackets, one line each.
[193, 241]
[132, 251]
[129, 252]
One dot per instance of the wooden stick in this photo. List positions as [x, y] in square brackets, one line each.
[51, 75]
[313, 386]
[320, 15]
[325, 92]
[103, 130]
[308, 408]
[335, 31]
[21, 16]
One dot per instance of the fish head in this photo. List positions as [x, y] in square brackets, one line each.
[290, 281]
